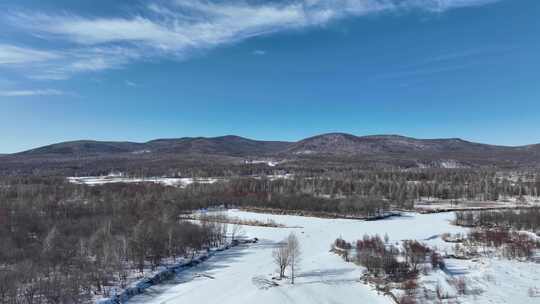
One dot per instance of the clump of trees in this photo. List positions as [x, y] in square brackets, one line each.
[287, 254]
[341, 244]
[382, 259]
[388, 265]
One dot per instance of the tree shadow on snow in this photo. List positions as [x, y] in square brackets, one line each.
[401, 216]
[454, 269]
[326, 276]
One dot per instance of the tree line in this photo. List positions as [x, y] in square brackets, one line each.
[502, 230]
[523, 219]
[65, 243]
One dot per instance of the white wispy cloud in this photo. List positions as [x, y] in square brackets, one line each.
[78, 60]
[178, 27]
[11, 54]
[26, 93]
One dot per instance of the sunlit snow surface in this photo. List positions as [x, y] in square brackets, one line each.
[238, 275]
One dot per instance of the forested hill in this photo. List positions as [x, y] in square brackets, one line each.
[163, 156]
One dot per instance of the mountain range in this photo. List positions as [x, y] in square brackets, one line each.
[393, 150]
[224, 145]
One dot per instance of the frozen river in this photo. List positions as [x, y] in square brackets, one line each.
[237, 275]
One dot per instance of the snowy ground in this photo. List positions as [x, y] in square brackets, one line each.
[489, 280]
[241, 275]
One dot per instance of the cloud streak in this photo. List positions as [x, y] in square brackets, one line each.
[175, 28]
[27, 93]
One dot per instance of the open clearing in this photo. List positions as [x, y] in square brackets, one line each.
[243, 274]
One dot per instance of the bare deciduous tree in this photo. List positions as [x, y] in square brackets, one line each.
[236, 230]
[293, 246]
[287, 254]
[281, 258]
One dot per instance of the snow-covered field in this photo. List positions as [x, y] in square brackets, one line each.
[240, 275]
[167, 181]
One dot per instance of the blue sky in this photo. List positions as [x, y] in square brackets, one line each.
[139, 70]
